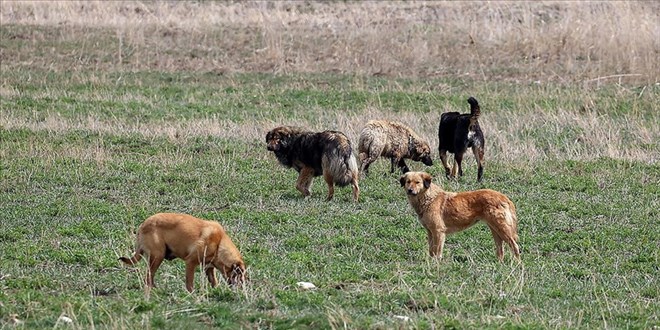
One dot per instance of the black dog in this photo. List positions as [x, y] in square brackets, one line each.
[311, 154]
[458, 132]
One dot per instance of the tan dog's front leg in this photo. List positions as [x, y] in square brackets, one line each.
[190, 274]
[210, 275]
[438, 243]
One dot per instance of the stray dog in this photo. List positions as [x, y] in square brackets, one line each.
[196, 241]
[327, 153]
[393, 140]
[458, 132]
[443, 213]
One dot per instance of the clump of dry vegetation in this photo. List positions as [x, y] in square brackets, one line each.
[527, 41]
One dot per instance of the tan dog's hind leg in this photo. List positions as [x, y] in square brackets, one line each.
[190, 274]
[305, 180]
[154, 262]
[499, 249]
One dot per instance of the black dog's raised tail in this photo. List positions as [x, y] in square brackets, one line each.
[475, 110]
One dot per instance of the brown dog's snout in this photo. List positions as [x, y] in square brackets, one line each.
[272, 145]
[411, 191]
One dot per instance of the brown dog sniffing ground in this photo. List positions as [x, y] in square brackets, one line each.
[442, 212]
[196, 241]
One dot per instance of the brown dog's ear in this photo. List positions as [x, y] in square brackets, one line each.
[402, 180]
[427, 180]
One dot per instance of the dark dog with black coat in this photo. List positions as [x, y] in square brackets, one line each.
[312, 154]
[458, 132]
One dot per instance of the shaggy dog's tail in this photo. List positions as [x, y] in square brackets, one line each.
[475, 110]
[341, 163]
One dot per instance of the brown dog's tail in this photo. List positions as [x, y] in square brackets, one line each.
[475, 110]
[132, 260]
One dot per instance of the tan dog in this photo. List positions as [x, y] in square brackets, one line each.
[443, 213]
[196, 241]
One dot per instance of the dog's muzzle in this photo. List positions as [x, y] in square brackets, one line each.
[411, 192]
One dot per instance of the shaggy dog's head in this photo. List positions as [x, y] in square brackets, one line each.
[415, 182]
[277, 138]
[422, 153]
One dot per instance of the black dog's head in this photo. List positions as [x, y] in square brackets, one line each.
[277, 138]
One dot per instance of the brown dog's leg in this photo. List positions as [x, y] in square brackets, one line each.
[305, 180]
[154, 262]
[445, 164]
[330, 181]
[365, 161]
[438, 240]
[356, 188]
[499, 249]
[210, 275]
[190, 274]
[515, 249]
[479, 156]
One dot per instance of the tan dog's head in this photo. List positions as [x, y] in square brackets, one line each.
[415, 182]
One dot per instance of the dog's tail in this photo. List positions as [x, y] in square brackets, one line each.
[132, 260]
[475, 110]
[341, 163]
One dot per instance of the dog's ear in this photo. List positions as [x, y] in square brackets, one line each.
[402, 180]
[427, 180]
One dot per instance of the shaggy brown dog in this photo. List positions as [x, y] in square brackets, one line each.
[172, 235]
[311, 154]
[443, 213]
[458, 132]
[393, 140]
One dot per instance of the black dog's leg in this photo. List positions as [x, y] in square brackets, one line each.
[458, 157]
[479, 156]
[445, 164]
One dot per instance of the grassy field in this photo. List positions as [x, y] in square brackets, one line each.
[108, 118]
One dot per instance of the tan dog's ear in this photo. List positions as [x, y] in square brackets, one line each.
[427, 180]
[402, 180]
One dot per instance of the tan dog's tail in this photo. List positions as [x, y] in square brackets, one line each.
[133, 260]
[475, 110]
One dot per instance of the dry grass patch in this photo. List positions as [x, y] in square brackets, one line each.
[532, 135]
[596, 42]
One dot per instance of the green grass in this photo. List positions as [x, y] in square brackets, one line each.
[86, 156]
[588, 231]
